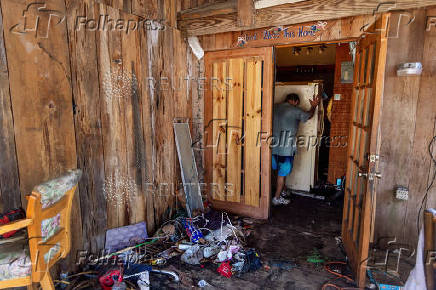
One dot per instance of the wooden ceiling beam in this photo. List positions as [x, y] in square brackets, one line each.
[209, 10]
[226, 18]
[260, 4]
[246, 13]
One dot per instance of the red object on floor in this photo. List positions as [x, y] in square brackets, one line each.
[225, 269]
[108, 279]
[10, 216]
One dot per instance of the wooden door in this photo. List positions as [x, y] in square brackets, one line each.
[238, 120]
[363, 148]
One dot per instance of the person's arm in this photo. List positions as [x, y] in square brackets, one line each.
[313, 103]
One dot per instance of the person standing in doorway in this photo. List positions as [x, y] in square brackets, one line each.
[287, 117]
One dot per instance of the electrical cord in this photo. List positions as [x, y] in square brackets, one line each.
[327, 268]
[424, 199]
[338, 276]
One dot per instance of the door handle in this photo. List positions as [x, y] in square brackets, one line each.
[361, 174]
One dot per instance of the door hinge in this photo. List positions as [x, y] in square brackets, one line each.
[370, 176]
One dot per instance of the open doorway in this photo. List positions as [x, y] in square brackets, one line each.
[238, 151]
[315, 186]
[319, 167]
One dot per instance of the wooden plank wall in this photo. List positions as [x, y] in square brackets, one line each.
[41, 99]
[407, 126]
[100, 100]
[9, 182]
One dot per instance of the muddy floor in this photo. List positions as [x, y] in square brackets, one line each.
[294, 233]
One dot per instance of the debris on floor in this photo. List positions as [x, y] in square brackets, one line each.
[299, 247]
[214, 240]
[127, 236]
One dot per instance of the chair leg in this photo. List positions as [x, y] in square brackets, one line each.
[47, 282]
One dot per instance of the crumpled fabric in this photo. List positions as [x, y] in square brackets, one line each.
[416, 280]
[14, 261]
[193, 255]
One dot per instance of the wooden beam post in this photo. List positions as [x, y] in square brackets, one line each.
[226, 16]
[246, 13]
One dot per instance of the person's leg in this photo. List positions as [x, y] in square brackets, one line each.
[280, 185]
[283, 164]
[284, 193]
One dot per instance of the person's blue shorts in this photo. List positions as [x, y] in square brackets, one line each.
[283, 164]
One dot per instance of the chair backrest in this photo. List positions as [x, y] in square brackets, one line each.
[49, 206]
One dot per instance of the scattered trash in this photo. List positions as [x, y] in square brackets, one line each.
[227, 254]
[211, 251]
[193, 255]
[127, 236]
[108, 279]
[185, 246]
[64, 279]
[252, 261]
[203, 283]
[315, 257]
[221, 235]
[169, 229]
[225, 269]
[224, 256]
[209, 239]
[238, 267]
[168, 273]
[119, 285]
[144, 281]
[193, 233]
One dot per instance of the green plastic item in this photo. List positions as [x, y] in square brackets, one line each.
[315, 258]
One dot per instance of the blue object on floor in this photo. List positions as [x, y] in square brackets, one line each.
[123, 237]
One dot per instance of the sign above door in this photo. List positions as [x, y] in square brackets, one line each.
[310, 32]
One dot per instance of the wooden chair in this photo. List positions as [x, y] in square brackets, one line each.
[47, 222]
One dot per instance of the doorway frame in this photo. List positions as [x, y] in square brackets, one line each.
[319, 43]
[227, 43]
